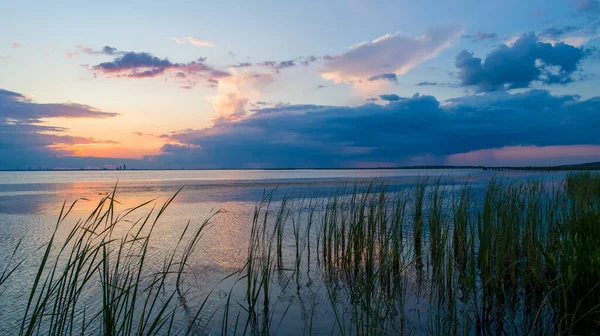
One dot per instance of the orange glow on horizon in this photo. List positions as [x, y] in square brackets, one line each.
[130, 147]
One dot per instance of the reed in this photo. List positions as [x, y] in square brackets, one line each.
[511, 257]
[94, 260]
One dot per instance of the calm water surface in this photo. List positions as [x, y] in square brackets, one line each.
[30, 203]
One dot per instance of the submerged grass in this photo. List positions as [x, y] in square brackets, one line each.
[513, 257]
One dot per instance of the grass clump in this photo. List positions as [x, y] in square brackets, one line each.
[96, 280]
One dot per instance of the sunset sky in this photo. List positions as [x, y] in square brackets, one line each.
[265, 84]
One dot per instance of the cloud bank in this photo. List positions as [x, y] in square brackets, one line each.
[25, 142]
[396, 133]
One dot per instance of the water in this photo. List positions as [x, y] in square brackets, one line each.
[30, 203]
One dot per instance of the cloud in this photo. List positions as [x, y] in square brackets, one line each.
[16, 45]
[193, 40]
[306, 61]
[106, 50]
[142, 134]
[242, 65]
[236, 87]
[20, 109]
[531, 127]
[426, 83]
[146, 65]
[518, 65]
[389, 97]
[177, 40]
[391, 53]
[276, 66]
[198, 42]
[399, 132]
[585, 27]
[235, 91]
[386, 76]
[177, 148]
[24, 140]
[573, 35]
[554, 32]
[481, 36]
[135, 65]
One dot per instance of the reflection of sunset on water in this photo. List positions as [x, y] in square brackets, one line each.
[31, 209]
[221, 249]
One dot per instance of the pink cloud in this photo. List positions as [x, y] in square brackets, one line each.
[235, 91]
[193, 40]
[16, 45]
[391, 53]
[198, 42]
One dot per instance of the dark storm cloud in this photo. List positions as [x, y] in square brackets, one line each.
[517, 66]
[333, 136]
[386, 76]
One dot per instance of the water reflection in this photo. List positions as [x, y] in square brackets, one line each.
[44, 192]
[30, 210]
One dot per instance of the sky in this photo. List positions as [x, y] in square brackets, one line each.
[286, 84]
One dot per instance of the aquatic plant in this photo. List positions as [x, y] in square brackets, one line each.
[512, 257]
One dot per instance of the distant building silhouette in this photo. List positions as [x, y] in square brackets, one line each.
[124, 167]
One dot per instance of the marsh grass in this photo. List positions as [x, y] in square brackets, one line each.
[105, 255]
[501, 262]
[512, 257]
